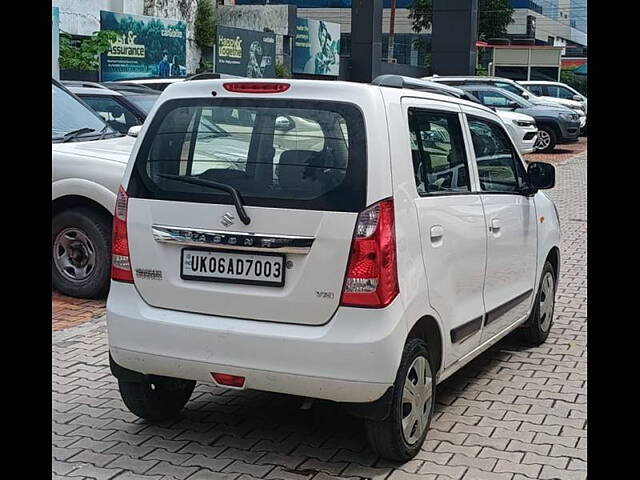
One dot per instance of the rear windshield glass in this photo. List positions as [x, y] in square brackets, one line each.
[276, 153]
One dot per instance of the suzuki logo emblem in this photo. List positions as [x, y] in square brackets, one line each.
[227, 219]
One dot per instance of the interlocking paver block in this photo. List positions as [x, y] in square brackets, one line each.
[514, 413]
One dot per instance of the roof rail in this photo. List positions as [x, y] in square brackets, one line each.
[399, 81]
[82, 83]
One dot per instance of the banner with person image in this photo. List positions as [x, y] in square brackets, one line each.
[316, 48]
[245, 53]
[147, 47]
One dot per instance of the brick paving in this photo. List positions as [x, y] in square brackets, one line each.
[561, 153]
[513, 413]
[68, 312]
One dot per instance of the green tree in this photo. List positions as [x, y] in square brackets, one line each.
[205, 24]
[85, 55]
[494, 17]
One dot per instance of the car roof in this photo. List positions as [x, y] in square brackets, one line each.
[539, 82]
[150, 80]
[131, 88]
[479, 78]
[312, 89]
[104, 92]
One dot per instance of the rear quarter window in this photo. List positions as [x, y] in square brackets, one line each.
[277, 153]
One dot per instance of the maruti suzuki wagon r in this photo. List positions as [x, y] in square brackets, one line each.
[357, 243]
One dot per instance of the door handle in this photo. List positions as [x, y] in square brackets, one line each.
[495, 226]
[437, 231]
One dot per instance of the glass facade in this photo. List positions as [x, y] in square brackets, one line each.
[577, 11]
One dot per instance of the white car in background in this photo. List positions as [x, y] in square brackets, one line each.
[522, 128]
[88, 159]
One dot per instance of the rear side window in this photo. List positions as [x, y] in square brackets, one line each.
[276, 153]
[437, 150]
[113, 112]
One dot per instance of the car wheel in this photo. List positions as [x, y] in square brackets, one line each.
[81, 240]
[400, 435]
[546, 139]
[537, 328]
[160, 398]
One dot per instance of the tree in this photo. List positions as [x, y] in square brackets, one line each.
[85, 55]
[494, 17]
[205, 24]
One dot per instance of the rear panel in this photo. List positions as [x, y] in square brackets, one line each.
[301, 166]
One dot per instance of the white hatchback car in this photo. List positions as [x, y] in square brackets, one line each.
[363, 267]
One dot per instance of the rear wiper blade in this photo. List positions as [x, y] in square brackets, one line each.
[237, 201]
[74, 133]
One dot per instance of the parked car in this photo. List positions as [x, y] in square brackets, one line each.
[559, 92]
[365, 272]
[88, 160]
[517, 89]
[522, 128]
[556, 124]
[122, 108]
[161, 83]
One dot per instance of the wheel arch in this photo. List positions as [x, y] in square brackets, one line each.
[428, 329]
[67, 202]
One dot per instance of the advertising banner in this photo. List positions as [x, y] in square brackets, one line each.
[316, 48]
[147, 47]
[246, 53]
[55, 42]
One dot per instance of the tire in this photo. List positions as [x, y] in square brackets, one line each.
[160, 399]
[537, 327]
[81, 257]
[550, 140]
[387, 437]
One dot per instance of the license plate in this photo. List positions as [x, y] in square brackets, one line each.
[236, 267]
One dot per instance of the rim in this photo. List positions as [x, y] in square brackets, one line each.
[416, 400]
[544, 139]
[546, 302]
[74, 254]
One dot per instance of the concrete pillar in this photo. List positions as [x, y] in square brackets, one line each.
[366, 39]
[454, 36]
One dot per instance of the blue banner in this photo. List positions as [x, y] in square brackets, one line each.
[55, 43]
[147, 47]
[316, 47]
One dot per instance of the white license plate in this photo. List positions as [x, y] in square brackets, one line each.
[218, 266]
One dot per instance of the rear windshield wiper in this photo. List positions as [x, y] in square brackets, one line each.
[74, 133]
[237, 201]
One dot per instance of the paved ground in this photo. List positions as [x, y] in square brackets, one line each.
[561, 154]
[513, 413]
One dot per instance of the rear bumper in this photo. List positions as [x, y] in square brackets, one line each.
[353, 358]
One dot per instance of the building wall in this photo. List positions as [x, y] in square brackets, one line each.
[82, 17]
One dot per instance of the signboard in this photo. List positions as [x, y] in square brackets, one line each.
[316, 48]
[55, 42]
[246, 53]
[147, 47]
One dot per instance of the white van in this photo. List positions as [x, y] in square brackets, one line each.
[397, 239]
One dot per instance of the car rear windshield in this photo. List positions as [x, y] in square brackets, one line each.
[143, 102]
[277, 153]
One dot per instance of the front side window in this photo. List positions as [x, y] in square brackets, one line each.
[113, 112]
[437, 150]
[494, 99]
[509, 88]
[536, 90]
[70, 115]
[291, 154]
[499, 167]
[560, 92]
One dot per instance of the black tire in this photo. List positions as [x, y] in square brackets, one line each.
[97, 227]
[386, 437]
[156, 400]
[536, 329]
[553, 138]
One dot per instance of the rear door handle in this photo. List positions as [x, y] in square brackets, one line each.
[437, 231]
[495, 225]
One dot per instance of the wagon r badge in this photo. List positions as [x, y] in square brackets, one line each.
[227, 219]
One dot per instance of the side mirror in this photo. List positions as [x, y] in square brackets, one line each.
[284, 123]
[578, 98]
[134, 131]
[526, 95]
[513, 105]
[541, 175]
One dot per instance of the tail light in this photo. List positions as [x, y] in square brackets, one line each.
[120, 264]
[256, 87]
[372, 274]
